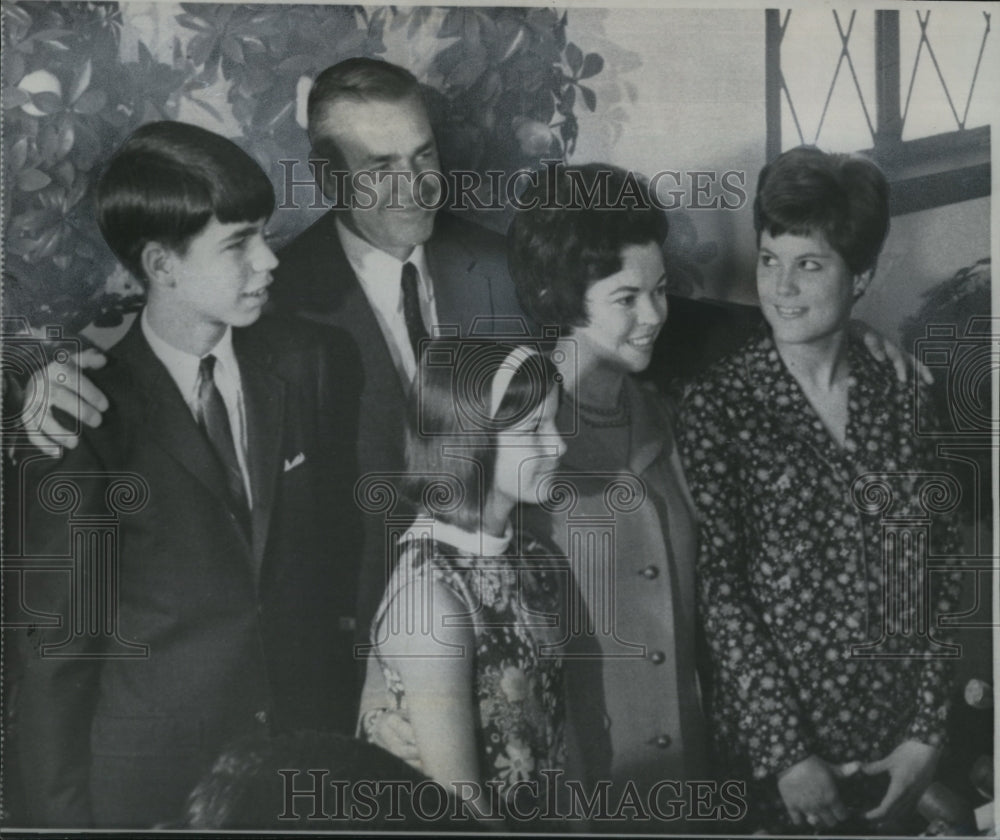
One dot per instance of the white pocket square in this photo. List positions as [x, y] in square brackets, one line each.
[298, 459]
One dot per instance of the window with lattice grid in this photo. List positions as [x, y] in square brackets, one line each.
[906, 86]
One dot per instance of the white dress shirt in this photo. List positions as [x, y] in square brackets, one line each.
[379, 274]
[183, 369]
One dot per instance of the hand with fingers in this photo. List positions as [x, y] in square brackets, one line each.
[391, 731]
[881, 349]
[911, 768]
[74, 395]
[809, 791]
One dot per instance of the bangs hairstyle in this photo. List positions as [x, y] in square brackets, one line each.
[555, 253]
[844, 197]
[451, 431]
[167, 181]
[359, 80]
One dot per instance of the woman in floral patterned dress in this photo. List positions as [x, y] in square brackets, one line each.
[798, 449]
[466, 633]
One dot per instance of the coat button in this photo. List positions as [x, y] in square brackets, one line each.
[663, 741]
[650, 572]
[657, 657]
[261, 717]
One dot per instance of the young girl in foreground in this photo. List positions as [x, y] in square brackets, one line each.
[466, 630]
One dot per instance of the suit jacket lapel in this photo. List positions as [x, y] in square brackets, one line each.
[331, 293]
[264, 403]
[171, 425]
[384, 396]
[445, 302]
[316, 281]
[383, 401]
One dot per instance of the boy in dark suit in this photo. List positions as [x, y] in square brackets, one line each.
[216, 607]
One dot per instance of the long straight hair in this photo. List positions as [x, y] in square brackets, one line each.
[451, 439]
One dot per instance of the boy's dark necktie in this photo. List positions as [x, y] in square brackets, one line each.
[214, 420]
[411, 309]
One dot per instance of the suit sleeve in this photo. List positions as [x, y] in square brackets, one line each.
[61, 667]
[339, 380]
[698, 334]
[761, 698]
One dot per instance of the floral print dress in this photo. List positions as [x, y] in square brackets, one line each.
[514, 602]
[791, 576]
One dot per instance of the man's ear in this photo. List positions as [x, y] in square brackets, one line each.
[332, 187]
[158, 264]
[323, 147]
[861, 282]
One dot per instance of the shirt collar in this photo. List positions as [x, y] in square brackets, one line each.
[183, 367]
[778, 393]
[373, 266]
[468, 543]
[768, 372]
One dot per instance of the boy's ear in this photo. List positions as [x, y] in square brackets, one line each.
[157, 264]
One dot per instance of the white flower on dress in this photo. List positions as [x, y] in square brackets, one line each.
[517, 764]
[394, 683]
[491, 589]
[514, 684]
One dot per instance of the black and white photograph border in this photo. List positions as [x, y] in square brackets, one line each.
[693, 101]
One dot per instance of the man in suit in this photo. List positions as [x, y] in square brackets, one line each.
[220, 459]
[387, 270]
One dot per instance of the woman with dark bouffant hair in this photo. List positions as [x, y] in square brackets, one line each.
[822, 699]
[591, 265]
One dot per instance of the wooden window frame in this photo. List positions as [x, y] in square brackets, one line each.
[924, 173]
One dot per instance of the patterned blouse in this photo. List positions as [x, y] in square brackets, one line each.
[513, 601]
[791, 572]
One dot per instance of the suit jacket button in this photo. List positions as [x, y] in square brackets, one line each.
[657, 657]
[261, 717]
[663, 741]
[650, 572]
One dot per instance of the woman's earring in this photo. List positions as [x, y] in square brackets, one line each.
[861, 282]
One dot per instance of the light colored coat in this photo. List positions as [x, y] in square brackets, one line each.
[630, 533]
